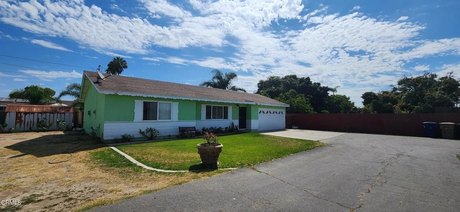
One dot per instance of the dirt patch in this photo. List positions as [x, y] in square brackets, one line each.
[52, 171]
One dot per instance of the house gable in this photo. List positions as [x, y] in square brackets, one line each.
[93, 109]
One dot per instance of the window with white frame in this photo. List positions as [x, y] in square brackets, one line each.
[157, 111]
[216, 112]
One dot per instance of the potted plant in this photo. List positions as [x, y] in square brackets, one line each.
[209, 151]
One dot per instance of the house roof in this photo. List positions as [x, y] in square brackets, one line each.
[6, 101]
[131, 86]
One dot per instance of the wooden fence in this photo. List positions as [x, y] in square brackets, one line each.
[391, 124]
[24, 121]
[36, 117]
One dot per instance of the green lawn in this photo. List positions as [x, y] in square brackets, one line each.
[239, 150]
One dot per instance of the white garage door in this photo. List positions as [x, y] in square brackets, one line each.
[271, 119]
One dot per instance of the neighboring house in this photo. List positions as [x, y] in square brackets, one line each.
[8, 101]
[120, 105]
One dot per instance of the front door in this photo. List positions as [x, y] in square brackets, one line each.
[242, 118]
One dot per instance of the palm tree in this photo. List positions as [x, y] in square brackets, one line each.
[116, 66]
[71, 90]
[222, 81]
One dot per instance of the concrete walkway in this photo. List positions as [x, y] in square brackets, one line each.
[313, 135]
[355, 172]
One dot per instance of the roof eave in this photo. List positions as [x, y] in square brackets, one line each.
[189, 98]
[180, 98]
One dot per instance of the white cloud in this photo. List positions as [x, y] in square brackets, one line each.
[9, 75]
[87, 25]
[355, 8]
[176, 60]
[449, 68]
[51, 75]
[7, 36]
[426, 48]
[215, 63]
[422, 68]
[116, 7]
[151, 59]
[113, 54]
[50, 45]
[19, 80]
[209, 62]
[403, 18]
[93, 27]
[353, 51]
[164, 8]
[254, 13]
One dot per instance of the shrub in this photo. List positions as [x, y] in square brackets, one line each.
[61, 124]
[42, 125]
[126, 138]
[233, 128]
[3, 127]
[210, 138]
[149, 133]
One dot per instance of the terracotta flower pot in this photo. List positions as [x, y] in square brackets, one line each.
[209, 154]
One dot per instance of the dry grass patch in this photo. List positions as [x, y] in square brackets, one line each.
[55, 172]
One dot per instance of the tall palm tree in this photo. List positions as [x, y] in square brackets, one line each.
[71, 90]
[116, 66]
[222, 81]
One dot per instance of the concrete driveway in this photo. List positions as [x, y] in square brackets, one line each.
[355, 172]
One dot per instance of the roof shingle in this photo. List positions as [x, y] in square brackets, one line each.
[132, 86]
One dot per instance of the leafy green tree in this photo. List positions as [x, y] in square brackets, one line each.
[421, 94]
[450, 87]
[34, 93]
[116, 66]
[222, 81]
[386, 103]
[297, 102]
[425, 93]
[340, 104]
[71, 90]
[383, 102]
[368, 97]
[313, 92]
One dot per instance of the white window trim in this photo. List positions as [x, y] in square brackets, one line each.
[141, 110]
[229, 108]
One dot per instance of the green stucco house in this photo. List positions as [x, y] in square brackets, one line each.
[118, 105]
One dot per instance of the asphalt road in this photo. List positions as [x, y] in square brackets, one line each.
[355, 172]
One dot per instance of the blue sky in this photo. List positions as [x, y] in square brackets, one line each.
[356, 46]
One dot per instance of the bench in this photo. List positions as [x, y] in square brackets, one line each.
[186, 132]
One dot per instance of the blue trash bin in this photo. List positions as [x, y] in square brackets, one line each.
[431, 129]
